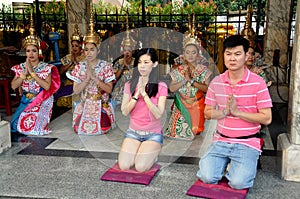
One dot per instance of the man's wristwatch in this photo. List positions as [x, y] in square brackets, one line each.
[192, 81]
[224, 112]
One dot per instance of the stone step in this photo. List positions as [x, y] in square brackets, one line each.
[5, 139]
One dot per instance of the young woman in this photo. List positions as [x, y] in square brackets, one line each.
[93, 79]
[123, 67]
[76, 54]
[63, 95]
[144, 99]
[254, 68]
[38, 81]
[189, 80]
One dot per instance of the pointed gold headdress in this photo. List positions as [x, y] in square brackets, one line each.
[76, 36]
[248, 31]
[190, 37]
[128, 40]
[92, 36]
[32, 38]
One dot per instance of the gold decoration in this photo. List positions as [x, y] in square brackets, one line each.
[221, 30]
[248, 31]
[128, 40]
[76, 36]
[92, 36]
[30, 95]
[22, 76]
[32, 74]
[190, 36]
[65, 101]
[32, 38]
[29, 77]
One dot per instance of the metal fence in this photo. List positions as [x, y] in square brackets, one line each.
[15, 26]
[211, 27]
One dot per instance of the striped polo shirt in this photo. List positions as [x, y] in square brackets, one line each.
[251, 94]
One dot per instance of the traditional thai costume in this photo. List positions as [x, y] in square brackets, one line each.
[126, 75]
[250, 35]
[187, 118]
[93, 113]
[64, 94]
[125, 68]
[33, 115]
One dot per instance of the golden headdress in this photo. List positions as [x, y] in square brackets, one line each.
[76, 36]
[92, 36]
[128, 40]
[190, 36]
[248, 31]
[32, 38]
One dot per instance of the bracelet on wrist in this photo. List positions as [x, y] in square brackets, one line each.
[32, 74]
[136, 99]
[224, 112]
[192, 81]
[22, 76]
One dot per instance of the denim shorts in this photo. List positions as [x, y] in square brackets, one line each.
[157, 137]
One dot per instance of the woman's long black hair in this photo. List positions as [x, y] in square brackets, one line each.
[152, 85]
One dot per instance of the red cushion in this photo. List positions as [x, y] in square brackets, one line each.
[130, 176]
[218, 191]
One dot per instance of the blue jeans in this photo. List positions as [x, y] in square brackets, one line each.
[243, 164]
[149, 136]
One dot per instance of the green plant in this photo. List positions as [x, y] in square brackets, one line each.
[5, 8]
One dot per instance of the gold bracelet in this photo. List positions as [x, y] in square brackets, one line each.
[32, 74]
[22, 76]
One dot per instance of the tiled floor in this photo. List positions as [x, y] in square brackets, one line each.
[65, 165]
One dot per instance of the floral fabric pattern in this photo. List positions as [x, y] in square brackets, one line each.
[33, 115]
[42, 71]
[94, 106]
[192, 99]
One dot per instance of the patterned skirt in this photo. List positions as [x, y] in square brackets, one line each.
[187, 118]
[34, 121]
[93, 117]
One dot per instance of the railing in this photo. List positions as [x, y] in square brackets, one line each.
[15, 26]
[210, 26]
